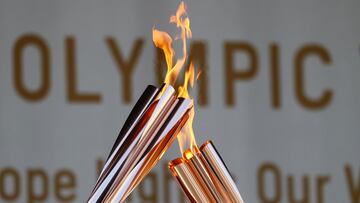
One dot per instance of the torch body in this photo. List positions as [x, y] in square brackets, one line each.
[148, 132]
[204, 177]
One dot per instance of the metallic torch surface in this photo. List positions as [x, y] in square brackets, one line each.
[204, 177]
[148, 132]
[218, 167]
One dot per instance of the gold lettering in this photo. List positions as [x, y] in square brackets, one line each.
[299, 77]
[353, 188]
[231, 74]
[126, 67]
[73, 94]
[305, 190]
[9, 173]
[44, 57]
[275, 82]
[320, 184]
[40, 175]
[99, 166]
[65, 183]
[275, 171]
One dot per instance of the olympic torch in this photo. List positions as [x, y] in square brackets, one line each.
[160, 115]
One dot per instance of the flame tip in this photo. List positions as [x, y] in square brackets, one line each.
[164, 41]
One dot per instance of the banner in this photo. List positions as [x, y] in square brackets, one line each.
[278, 95]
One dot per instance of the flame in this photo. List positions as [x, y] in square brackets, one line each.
[188, 154]
[163, 40]
[186, 137]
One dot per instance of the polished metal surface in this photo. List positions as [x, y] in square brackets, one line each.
[219, 168]
[204, 177]
[188, 181]
[149, 130]
[198, 167]
[163, 136]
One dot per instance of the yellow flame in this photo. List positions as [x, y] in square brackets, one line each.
[188, 154]
[189, 79]
[186, 137]
[163, 41]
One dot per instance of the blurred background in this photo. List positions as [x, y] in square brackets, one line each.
[278, 94]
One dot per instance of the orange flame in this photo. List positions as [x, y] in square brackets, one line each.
[163, 41]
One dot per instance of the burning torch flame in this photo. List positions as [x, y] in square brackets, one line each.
[164, 41]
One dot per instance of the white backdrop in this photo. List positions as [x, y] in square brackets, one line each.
[266, 148]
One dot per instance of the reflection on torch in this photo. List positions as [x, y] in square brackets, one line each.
[201, 173]
[204, 177]
[153, 124]
[148, 132]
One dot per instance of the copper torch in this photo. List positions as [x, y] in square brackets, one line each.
[149, 130]
[203, 176]
[153, 124]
